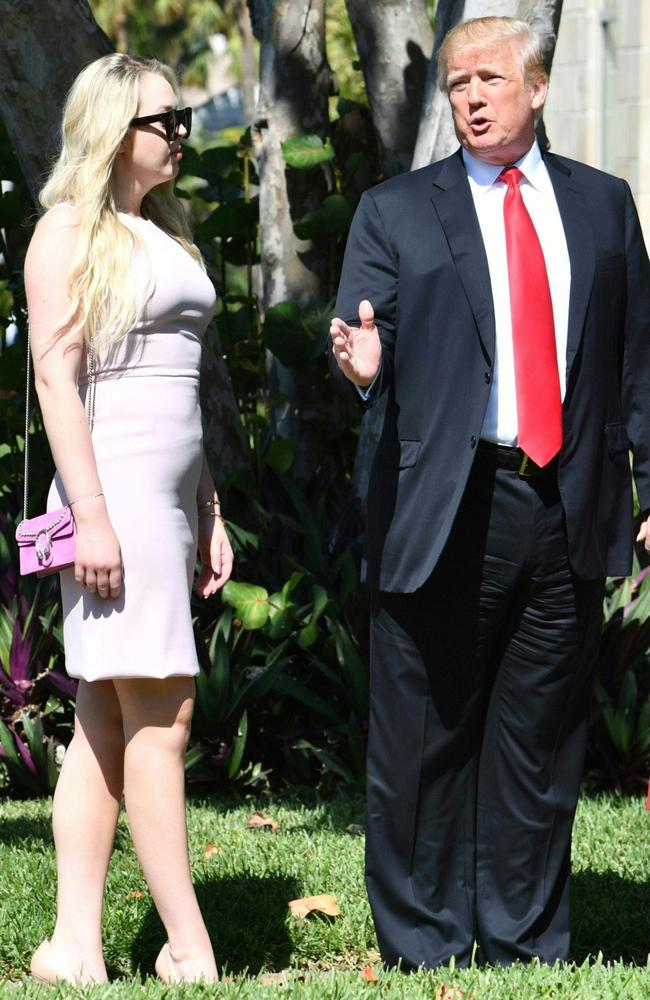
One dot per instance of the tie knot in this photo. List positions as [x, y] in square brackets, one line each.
[511, 175]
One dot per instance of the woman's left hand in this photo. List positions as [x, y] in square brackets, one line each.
[216, 556]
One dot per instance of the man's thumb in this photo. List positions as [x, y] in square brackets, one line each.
[366, 315]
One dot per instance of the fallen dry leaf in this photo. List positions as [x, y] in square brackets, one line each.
[445, 992]
[136, 894]
[369, 974]
[273, 978]
[258, 821]
[323, 904]
[355, 829]
[212, 849]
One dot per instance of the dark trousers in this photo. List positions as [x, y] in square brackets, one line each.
[481, 683]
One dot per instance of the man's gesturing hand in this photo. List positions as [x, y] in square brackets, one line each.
[357, 349]
[644, 534]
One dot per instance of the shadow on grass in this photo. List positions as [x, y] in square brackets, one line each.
[609, 914]
[12, 831]
[246, 920]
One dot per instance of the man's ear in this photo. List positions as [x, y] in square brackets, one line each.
[539, 92]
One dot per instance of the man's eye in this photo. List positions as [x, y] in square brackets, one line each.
[458, 85]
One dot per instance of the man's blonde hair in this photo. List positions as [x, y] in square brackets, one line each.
[487, 31]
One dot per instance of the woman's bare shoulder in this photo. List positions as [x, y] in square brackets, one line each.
[54, 238]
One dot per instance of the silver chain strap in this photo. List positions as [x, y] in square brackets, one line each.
[90, 408]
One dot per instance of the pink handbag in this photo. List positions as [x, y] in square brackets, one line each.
[46, 544]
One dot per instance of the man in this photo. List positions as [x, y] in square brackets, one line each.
[506, 314]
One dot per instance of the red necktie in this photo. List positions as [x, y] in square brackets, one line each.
[539, 400]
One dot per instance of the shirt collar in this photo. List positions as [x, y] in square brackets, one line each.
[483, 175]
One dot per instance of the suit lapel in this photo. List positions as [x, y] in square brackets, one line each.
[581, 246]
[453, 202]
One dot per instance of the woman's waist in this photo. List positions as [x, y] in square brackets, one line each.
[153, 373]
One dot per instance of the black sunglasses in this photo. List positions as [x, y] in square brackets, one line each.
[172, 121]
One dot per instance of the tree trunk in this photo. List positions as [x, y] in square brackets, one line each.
[295, 83]
[223, 440]
[248, 67]
[42, 49]
[436, 137]
[395, 41]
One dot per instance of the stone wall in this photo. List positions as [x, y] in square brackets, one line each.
[598, 108]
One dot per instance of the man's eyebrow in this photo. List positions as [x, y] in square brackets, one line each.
[485, 70]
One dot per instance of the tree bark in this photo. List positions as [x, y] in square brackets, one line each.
[295, 83]
[42, 48]
[436, 137]
[395, 41]
[248, 67]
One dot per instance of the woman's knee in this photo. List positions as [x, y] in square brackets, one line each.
[98, 717]
[162, 708]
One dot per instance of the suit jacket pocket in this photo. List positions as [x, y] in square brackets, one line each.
[398, 454]
[610, 263]
[617, 439]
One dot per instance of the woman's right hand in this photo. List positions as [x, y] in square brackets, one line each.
[98, 560]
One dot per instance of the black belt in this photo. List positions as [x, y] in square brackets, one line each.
[503, 457]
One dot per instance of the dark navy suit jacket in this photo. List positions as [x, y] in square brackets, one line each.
[415, 251]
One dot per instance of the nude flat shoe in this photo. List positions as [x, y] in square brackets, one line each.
[43, 968]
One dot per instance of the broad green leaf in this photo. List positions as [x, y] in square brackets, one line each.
[306, 151]
[236, 219]
[238, 746]
[193, 756]
[8, 745]
[280, 454]
[352, 664]
[251, 603]
[219, 674]
[293, 336]
[333, 218]
[295, 689]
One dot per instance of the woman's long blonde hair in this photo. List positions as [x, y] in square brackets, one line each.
[98, 109]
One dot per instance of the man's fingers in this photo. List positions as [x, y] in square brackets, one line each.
[366, 315]
[338, 328]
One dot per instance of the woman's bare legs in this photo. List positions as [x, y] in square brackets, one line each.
[157, 716]
[85, 811]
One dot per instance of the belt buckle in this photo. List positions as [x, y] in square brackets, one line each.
[525, 461]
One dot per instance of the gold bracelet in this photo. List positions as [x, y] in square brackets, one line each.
[88, 496]
[207, 513]
[208, 503]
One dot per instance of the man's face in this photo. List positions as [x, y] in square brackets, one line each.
[493, 108]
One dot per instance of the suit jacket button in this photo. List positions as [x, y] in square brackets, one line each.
[488, 377]
[472, 441]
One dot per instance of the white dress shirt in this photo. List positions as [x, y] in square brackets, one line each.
[500, 423]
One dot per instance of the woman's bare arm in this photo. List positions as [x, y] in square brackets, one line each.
[57, 350]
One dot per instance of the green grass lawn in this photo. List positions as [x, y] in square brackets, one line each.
[245, 885]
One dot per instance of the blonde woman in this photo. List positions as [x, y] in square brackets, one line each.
[114, 282]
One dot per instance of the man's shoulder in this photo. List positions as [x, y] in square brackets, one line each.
[414, 183]
[583, 173]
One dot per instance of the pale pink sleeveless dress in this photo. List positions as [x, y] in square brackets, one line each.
[147, 440]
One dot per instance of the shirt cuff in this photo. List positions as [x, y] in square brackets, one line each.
[368, 392]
